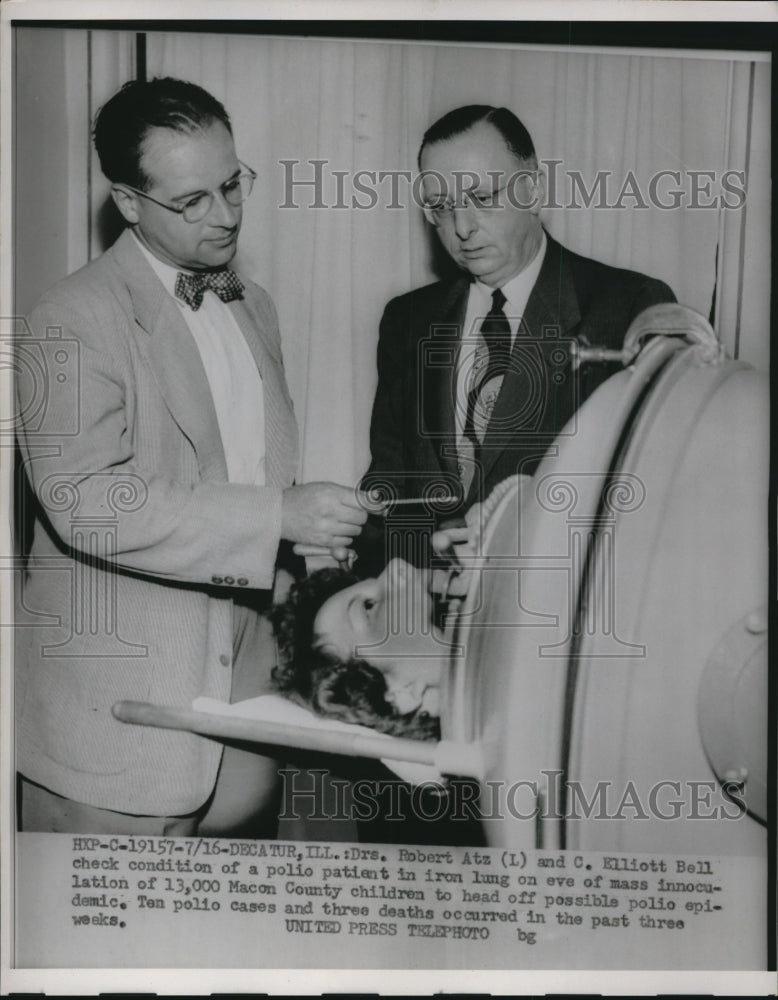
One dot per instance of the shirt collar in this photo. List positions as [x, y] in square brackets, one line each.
[166, 273]
[517, 290]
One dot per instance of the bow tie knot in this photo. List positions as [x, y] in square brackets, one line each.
[191, 287]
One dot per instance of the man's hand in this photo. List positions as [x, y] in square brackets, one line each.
[454, 548]
[321, 514]
[318, 556]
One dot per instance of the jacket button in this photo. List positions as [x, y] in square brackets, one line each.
[230, 581]
[217, 579]
[242, 581]
[224, 660]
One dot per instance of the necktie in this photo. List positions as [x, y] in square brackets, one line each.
[490, 361]
[191, 287]
[488, 369]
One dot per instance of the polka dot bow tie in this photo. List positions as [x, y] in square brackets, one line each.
[191, 287]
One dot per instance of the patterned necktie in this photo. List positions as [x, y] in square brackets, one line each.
[492, 362]
[488, 368]
[191, 287]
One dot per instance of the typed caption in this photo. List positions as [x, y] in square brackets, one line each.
[91, 901]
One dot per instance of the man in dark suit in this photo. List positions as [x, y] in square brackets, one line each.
[163, 460]
[478, 374]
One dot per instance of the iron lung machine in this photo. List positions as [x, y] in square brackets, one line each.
[614, 676]
[607, 684]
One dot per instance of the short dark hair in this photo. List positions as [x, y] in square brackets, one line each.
[352, 690]
[122, 123]
[460, 120]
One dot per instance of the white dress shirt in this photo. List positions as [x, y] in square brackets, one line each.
[517, 292]
[235, 382]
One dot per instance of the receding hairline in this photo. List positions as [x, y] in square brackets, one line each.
[184, 129]
[121, 124]
[199, 129]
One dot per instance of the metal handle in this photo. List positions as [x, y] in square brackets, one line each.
[668, 319]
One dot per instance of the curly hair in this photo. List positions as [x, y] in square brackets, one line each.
[351, 690]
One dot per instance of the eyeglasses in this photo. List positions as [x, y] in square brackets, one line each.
[442, 210]
[234, 191]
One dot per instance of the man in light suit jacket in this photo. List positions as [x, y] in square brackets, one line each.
[448, 413]
[162, 457]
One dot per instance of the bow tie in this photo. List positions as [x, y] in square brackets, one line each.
[191, 287]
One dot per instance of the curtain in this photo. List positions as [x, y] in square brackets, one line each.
[364, 105]
[111, 62]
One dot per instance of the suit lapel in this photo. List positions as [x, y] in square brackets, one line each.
[280, 425]
[526, 403]
[439, 366]
[174, 358]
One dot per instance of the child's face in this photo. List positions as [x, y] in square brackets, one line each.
[387, 621]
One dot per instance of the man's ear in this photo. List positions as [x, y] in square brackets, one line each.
[539, 192]
[126, 201]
